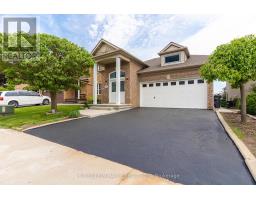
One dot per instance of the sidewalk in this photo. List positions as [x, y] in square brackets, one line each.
[26, 159]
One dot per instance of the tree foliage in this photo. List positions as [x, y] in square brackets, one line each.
[58, 67]
[234, 62]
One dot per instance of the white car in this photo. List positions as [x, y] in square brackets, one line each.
[23, 98]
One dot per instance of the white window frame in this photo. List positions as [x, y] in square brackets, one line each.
[99, 88]
[172, 54]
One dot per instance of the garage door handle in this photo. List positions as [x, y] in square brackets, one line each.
[154, 97]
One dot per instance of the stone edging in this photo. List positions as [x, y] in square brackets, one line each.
[249, 158]
[251, 116]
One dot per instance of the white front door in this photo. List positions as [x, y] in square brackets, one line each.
[112, 91]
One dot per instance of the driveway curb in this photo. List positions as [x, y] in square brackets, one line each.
[249, 158]
[50, 123]
[71, 119]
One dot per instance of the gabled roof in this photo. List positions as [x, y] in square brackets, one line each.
[100, 43]
[174, 47]
[115, 49]
[192, 61]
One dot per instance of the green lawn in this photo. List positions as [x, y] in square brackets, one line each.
[28, 116]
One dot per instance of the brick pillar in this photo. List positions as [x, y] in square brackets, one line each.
[210, 95]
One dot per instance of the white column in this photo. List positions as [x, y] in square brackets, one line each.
[95, 83]
[78, 91]
[118, 66]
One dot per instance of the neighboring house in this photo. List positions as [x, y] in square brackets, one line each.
[171, 80]
[234, 93]
[70, 96]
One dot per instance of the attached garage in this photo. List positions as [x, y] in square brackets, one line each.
[190, 93]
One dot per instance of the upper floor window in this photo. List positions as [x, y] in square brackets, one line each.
[172, 58]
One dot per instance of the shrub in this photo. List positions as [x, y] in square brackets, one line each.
[251, 103]
[237, 103]
[254, 87]
[86, 105]
[7, 87]
[223, 103]
[74, 114]
[89, 100]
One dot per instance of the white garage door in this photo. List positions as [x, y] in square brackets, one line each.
[174, 94]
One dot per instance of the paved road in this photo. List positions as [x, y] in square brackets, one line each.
[185, 145]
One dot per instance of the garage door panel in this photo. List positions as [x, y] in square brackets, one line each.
[177, 96]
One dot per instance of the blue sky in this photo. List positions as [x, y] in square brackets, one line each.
[145, 35]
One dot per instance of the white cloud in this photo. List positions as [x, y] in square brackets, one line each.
[144, 35]
[118, 29]
[221, 30]
[93, 31]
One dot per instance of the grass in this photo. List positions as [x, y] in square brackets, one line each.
[239, 133]
[35, 115]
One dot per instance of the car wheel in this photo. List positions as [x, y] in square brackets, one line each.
[46, 102]
[13, 103]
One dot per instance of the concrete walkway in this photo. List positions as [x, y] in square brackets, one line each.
[95, 113]
[26, 159]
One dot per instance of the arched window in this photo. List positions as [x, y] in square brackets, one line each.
[113, 74]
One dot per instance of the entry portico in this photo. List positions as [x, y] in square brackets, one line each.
[114, 84]
[115, 79]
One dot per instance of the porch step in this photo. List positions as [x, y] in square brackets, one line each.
[110, 107]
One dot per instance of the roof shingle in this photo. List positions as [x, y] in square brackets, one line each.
[155, 64]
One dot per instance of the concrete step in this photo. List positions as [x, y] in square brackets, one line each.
[110, 107]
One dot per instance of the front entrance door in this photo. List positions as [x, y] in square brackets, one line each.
[112, 91]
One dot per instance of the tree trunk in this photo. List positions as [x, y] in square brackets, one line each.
[243, 103]
[53, 101]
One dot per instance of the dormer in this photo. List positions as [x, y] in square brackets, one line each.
[173, 53]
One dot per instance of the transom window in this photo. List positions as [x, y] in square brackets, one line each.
[172, 58]
[113, 74]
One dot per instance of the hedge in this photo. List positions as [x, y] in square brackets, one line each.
[251, 103]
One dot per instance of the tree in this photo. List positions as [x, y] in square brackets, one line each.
[58, 67]
[234, 62]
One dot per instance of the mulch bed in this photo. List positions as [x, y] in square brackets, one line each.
[248, 129]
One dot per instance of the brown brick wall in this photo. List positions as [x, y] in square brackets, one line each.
[69, 94]
[20, 86]
[210, 100]
[134, 85]
[60, 96]
[170, 75]
[103, 78]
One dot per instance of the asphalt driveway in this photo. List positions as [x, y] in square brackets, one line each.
[184, 145]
